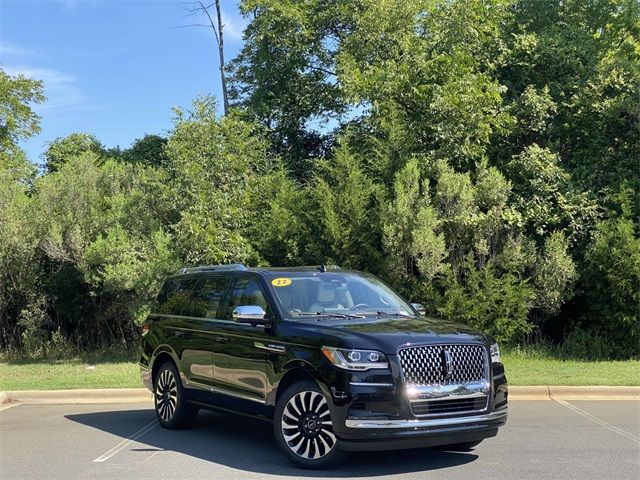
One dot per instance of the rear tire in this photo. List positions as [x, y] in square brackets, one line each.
[172, 410]
[303, 427]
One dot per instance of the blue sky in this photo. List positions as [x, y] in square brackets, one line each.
[113, 68]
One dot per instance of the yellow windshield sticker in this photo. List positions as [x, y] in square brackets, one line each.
[281, 282]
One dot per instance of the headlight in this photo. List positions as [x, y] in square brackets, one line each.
[495, 353]
[355, 359]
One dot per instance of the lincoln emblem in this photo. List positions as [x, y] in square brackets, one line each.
[447, 363]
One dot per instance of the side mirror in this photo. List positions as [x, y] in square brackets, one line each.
[253, 314]
[418, 307]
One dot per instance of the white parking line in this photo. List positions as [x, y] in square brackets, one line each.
[7, 406]
[599, 421]
[126, 442]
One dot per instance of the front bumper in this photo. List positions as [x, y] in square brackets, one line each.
[496, 418]
[400, 434]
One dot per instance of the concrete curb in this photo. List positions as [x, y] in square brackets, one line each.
[103, 395]
[142, 395]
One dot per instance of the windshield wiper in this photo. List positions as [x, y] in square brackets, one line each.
[393, 314]
[327, 314]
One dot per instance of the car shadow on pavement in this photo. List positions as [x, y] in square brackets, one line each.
[247, 444]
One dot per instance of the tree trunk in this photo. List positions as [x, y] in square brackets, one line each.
[223, 80]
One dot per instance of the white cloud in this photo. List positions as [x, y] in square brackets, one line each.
[59, 88]
[15, 51]
[234, 24]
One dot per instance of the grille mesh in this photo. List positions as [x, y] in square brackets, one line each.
[448, 406]
[423, 366]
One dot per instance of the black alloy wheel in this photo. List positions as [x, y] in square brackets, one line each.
[172, 409]
[304, 429]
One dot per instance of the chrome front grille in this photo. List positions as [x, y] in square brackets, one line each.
[432, 365]
[446, 379]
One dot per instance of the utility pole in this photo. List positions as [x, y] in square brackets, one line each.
[218, 33]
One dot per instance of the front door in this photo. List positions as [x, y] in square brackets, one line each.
[239, 364]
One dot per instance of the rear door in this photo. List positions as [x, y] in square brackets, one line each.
[179, 330]
[200, 330]
[239, 360]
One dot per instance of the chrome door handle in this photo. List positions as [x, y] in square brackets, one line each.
[179, 333]
[222, 339]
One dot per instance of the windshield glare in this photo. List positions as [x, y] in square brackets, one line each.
[312, 294]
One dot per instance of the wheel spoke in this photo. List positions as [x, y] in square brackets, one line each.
[330, 435]
[297, 446]
[307, 450]
[316, 448]
[161, 410]
[288, 415]
[292, 404]
[324, 444]
[312, 400]
[290, 438]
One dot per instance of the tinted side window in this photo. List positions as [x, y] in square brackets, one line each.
[246, 291]
[175, 296]
[208, 298]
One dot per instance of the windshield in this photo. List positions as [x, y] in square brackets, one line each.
[340, 295]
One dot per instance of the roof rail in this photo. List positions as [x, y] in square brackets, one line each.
[304, 268]
[324, 268]
[214, 268]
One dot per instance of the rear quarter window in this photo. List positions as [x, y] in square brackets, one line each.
[175, 296]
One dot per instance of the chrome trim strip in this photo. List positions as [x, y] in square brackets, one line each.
[222, 391]
[370, 384]
[195, 385]
[448, 392]
[436, 422]
[272, 347]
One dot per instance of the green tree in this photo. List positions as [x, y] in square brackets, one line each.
[345, 215]
[18, 121]
[285, 76]
[63, 148]
[148, 150]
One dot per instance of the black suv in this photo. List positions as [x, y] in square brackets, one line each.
[335, 358]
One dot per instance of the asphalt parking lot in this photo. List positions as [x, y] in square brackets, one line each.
[543, 439]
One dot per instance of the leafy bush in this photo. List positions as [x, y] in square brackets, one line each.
[486, 299]
[611, 287]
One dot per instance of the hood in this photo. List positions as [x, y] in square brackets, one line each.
[388, 334]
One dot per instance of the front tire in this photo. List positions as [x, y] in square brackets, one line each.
[303, 427]
[172, 410]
